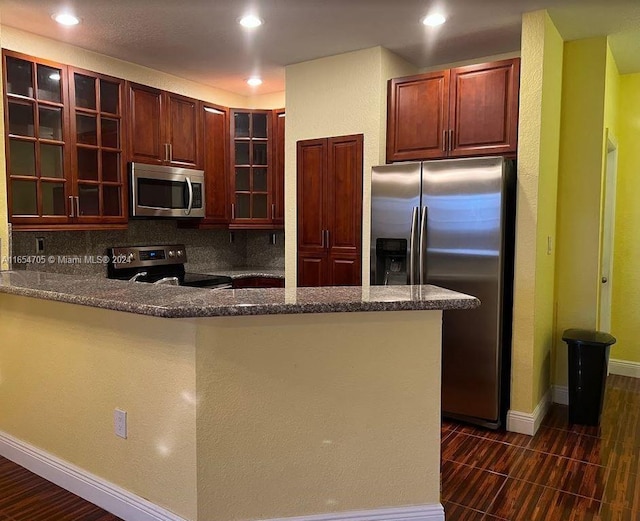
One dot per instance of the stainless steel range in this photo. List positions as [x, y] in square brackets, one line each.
[159, 265]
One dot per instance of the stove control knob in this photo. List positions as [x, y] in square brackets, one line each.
[180, 253]
[172, 254]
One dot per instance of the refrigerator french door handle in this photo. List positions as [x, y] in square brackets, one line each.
[412, 246]
[423, 245]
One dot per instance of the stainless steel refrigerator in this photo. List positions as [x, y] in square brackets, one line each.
[451, 223]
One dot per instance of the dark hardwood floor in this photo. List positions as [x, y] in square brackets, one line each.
[27, 497]
[565, 473]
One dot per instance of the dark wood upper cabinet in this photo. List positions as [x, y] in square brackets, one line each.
[484, 109]
[165, 128]
[252, 169]
[98, 133]
[215, 139]
[329, 203]
[278, 168]
[183, 131]
[466, 111]
[64, 146]
[418, 112]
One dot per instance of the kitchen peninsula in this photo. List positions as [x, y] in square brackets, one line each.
[248, 404]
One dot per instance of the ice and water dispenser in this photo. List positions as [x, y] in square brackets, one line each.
[391, 262]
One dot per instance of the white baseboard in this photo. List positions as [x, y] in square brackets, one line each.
[433, 512]
[130, 507]
[529, 423]
[561, 394]
[624, 368]
[98, 491]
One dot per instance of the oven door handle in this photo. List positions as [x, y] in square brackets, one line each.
[190, 206]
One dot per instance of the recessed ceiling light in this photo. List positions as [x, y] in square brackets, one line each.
[250, 21]
[66, 19]
[254, 82]
[434, 20]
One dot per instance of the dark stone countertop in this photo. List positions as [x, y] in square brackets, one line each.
[240, 273]
[184, 302]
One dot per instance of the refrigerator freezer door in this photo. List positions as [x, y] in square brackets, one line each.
[464, 204]
[395, 202]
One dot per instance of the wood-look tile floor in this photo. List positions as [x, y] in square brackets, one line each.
[27, 497]
[565, 473]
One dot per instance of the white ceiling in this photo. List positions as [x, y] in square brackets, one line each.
[200, 39]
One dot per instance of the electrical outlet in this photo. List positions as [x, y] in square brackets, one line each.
[39, 244]
[120, 423]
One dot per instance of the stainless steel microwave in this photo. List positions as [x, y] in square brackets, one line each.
[164, 191]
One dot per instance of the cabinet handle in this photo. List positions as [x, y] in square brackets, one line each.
[323, 246]
[450, 140]
[73, 213]
[328, 243]
[170, 152]
[273, 211]
[233, 211]
[444, 140]
[77, 205]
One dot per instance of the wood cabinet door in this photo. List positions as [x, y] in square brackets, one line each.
[312, 195]
[312, 270]
[146, 138]
[344, 207]
[182, 131]
[484, 109]
[344, 270]
[98, 138]
[277, 198]
[37, 141]
[215, 132]
[417, 116]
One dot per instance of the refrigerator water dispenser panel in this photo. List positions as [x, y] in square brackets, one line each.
[391, 262]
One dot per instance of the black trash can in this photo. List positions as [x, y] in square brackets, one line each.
[588, 361]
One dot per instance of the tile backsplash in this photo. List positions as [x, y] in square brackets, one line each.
[206, 249]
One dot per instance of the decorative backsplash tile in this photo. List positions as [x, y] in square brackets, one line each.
[210, 249]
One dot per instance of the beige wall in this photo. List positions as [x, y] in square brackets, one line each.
[231, 418]
[31, 44]
[334, 96]
[580, 190]
[309, 414]
[65, 368]
[540, 93]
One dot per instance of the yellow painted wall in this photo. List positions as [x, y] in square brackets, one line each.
[338, 95]
[65, 368]
[580, 190]
[539, 128]
[612, 94]
[310, 414]
[626, 275]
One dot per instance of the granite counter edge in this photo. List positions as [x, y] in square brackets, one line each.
[204, 311]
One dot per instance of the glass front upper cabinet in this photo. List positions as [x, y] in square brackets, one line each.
[251, 165]
[96, 120]
[35, 123]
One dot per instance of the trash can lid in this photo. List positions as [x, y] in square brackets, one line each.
[587, 337]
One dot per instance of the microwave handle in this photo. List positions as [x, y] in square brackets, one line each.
[189, 208]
